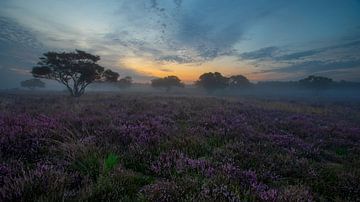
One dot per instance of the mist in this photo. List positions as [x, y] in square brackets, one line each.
[179, 100]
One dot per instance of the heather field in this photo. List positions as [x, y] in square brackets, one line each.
[118, 147]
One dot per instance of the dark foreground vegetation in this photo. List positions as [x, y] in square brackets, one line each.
[151, 148]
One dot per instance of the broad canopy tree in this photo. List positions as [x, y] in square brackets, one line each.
[32, 84]
[212, 81]
[316, 83]
[167, 82]
[110, 76]
[238, 81]
[76, 70]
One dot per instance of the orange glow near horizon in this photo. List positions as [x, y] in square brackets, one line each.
[188, 73]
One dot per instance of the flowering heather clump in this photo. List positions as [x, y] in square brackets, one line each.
[155, 148]
[42, 182]
[176, 162]
[23, 136]
[296, 193]
[218, 193]
[161, 191]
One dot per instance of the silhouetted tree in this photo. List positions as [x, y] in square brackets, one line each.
[238, 81]
[110, 76]
[167, 82]
[125, 82]
[316, 83]
[212, 81]
[76, 70]
[32, 84]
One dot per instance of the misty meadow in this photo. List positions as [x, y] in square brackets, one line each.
[106, 147]
[179, 100]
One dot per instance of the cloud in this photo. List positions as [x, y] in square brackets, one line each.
[211, 29]
[18, 46]
[298, 55]
[21, 71]
[349, 70]
[329, 60]
[155, 4]
[175, 31]
[261, 54]
[176, 58]
[12, 32]
[166, 70]
[310, 67]
[278, 54]
[20, 49]
[346, 48]
[137, 76]
[202, 30]
[351, 46]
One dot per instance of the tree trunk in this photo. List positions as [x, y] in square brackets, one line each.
[77, 93]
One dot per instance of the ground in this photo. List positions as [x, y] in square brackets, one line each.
[132, 147]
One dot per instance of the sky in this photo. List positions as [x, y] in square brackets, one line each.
[145, 39]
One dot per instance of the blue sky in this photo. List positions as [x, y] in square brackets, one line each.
[261, 39]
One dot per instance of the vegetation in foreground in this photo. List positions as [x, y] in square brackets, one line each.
[137, 148]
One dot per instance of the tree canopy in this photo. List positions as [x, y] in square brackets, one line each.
[237, 81]
[316, 82]
[125, 82]
[110, 76]
[76, 70]
[212, 81]
[167, 82]
[32, 84]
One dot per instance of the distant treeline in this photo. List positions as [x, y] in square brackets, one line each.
[297, 84]
[76, 70]
[213, 81]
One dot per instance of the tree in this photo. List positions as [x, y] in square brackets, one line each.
[110, 76]
[167, 83]
[316, 82]
[238, 81]
[212, 81]
[76, 70]
[32, 84]
[125, 82]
